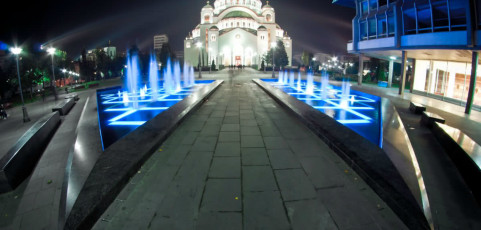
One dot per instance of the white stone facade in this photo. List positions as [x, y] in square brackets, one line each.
[234, 32]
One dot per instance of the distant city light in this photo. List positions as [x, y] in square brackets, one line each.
[51, 50]
[392, 58]
[16, 50]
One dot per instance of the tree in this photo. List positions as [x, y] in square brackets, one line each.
[263, 65]
[281, 58]
[166, 52]
[212, 67]
[306, 58]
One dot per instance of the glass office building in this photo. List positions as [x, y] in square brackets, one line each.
[440, 38]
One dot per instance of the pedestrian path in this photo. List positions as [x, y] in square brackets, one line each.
[242, 162]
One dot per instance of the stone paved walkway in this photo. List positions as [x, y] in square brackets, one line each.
[242, 162]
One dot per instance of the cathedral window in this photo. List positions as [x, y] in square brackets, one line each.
[238, 24]
[213, 38]
[207, 18]
[187, 45]
[269, 17]
[244, 24]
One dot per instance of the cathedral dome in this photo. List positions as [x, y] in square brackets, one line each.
[208, 6]
[237, 14]
[267, 6]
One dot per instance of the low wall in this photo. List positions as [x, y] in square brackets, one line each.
[22, 158]
[121, 160]
[366, 158]
[64, 106]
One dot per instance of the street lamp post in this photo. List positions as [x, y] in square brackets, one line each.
[199, 45]
[17, 52]
[51, 51]
[273, 65]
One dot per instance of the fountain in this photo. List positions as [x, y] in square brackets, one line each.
[310, 84]
[324, 86]
[299, 81]
[123, 109]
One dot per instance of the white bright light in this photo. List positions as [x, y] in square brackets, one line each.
[392, 58]
[64, 70]
[314, 59]
[51, 50]
[16, 50]
[198, 44]
[334, 59]
[273, 44]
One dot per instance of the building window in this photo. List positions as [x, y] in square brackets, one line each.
[409, 18]
[238, 24]
[424, 16]
[372, 5]
[382, 3]
[440, 15]
[363, 30]
[364, 7]
[206, 18]
[457, 12]
[213, 38]
[372, 27]
[391, 24]
[187, 45]
[269, 17]
[382, 26]
[244, 24]
[287, 44]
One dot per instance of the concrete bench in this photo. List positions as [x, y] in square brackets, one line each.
[22, 158]
[464, 153]
[428, 119]
[64, 106]
[417, 108]
[74, 96]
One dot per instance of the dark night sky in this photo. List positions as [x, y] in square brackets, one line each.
[317, 26]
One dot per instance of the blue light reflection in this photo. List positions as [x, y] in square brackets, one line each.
[358, 111]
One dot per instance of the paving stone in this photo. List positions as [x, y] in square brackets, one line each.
[205, 144]
[309, 214]
[189, 138]
[231, 120]
[44, 197]
[252, 142]
[254, 156]
[283, 159]
[222, 195]
[210, 130]
[248, 122]
[218, 113]
[214, 121]
[294, 185]
[258, 178]
[250, 131]
[307, 148]
[275, 143]
[228, 149]
[36, 219]
[225, 167]
[26, 204]
[270, 131]
[230, 128]
[219, 220]
[344, 207]
[323, 173]
[229, 137]
[264, 210]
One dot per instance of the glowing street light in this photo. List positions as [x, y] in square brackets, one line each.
[273, 45]
[51, 51]
[199, 46]
[16, 51]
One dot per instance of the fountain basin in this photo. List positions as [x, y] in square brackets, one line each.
[358, 111]
[120, 112]
[391, 171]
